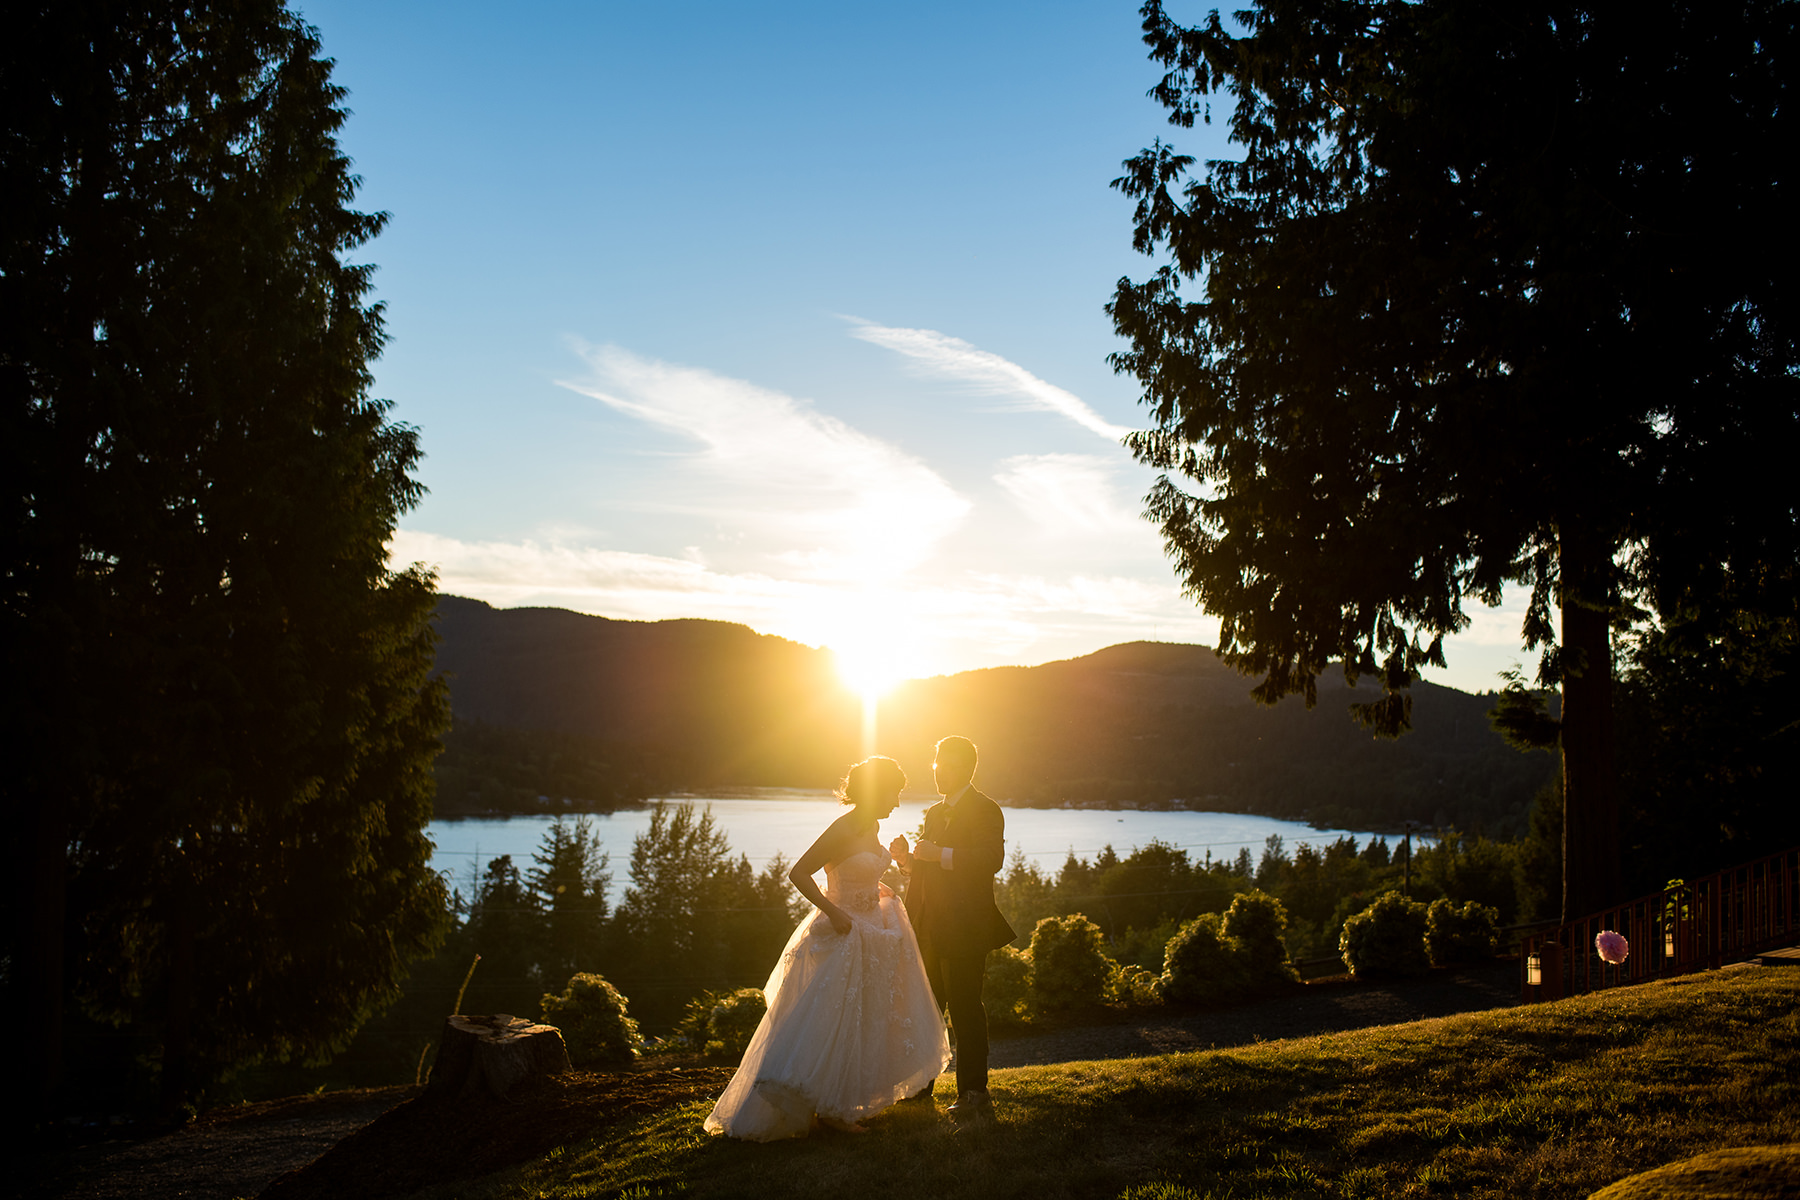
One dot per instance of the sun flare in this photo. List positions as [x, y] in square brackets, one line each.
[870, 669]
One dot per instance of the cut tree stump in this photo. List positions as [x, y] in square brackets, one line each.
[489, 1056]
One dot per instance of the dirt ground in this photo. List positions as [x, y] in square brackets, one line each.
[374, 1143]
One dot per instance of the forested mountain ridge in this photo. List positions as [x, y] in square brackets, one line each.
[653, 707]
[670, 704]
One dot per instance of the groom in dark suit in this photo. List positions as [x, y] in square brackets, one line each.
[950, 900]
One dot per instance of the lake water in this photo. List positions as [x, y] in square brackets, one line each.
[767, 821]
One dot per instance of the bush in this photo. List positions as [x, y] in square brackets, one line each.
[1467, 934]
[1254, 924]
[1069, 966]
[733, 1021]
[591, 1014]
[1007, 993]
[1385, 939]
[1143, 947]
[1135, 985]
[1200, 964]
[720, 1023]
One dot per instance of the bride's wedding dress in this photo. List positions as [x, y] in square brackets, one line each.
[851, 1027]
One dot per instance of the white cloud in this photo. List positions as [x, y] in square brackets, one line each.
[780, 517]
[825, 500]
[971, 620]
[1069, 493]
[952, 358]
[615, 583]
[1500, 626]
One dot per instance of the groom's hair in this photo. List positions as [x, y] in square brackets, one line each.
[957, 749]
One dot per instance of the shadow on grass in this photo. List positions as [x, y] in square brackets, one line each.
[1552, 1100]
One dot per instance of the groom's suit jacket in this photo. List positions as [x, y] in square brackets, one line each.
[953, 911]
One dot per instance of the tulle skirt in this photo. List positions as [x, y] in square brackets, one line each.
[851, 1029]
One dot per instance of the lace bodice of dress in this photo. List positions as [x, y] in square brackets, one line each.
[853, 884]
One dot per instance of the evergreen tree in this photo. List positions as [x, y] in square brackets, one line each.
[506, 926]
[1498, 293]
[694, 917]
[218, 689]
[569, 882]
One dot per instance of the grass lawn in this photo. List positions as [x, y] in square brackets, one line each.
[1553, 1100]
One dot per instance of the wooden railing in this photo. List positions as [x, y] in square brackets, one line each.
[1726, 917]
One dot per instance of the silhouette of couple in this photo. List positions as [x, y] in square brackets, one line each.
[855, 1019]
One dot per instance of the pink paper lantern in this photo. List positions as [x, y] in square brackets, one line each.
[1611, 947]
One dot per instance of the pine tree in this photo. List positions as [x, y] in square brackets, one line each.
[219, 689]
[1497, 293]
[569, 880]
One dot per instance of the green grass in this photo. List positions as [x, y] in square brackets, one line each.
[1552, 1100]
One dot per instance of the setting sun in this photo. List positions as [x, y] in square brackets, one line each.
[871, 666]
[870, 669]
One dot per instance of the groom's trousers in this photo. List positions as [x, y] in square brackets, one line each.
[956, 984]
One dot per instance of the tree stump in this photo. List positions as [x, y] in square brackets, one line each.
[489, 1056]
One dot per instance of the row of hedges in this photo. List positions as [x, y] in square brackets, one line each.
[1212, 959]
[1215, 957]
[1396, 936]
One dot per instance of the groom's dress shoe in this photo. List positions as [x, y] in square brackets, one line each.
[923, 1096]
[973, 1107]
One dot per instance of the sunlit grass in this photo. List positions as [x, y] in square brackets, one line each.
[1551, 1100]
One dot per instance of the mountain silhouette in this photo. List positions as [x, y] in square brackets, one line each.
[651, 707]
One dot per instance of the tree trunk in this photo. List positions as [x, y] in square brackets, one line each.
[178, 1015]
[1591, 874]
[489, 1056]
[39, 934]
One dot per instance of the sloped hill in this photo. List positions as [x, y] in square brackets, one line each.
[705, 704]
[686, 703]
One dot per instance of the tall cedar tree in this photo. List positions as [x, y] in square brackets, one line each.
[1497, 293]
[218, 693]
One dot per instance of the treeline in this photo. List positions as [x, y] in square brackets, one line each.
[1140, 900]
[488, 770]
[694, 918]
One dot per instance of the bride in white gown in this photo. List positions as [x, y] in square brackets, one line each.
[852, 1026]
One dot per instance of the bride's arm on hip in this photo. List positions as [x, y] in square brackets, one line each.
[828, 849]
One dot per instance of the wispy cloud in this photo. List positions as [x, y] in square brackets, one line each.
[825, 499]
[617, 583]
[952, 358]
[1070, 493]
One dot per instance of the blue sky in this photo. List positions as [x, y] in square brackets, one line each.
[787, 314]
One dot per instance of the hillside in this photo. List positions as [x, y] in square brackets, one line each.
[693, 705]
[1550, 1100]
[670, 704]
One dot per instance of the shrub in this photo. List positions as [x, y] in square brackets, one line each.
[1135, 985]
[591, 1014]
[691, 1030]
[1200, 964]
[1467, 934]
[720, 1023]
[1069, 966]
[1254, 924]
[1143, 947]
[1007, 993]
[1386, 938]
[733, 1021]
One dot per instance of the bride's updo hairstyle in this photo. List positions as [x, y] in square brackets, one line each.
[871, 778]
